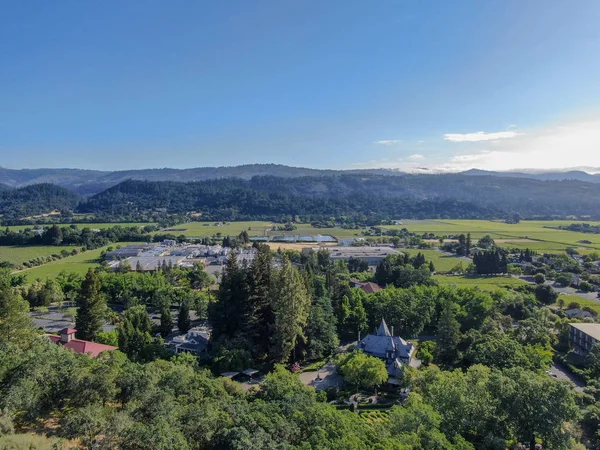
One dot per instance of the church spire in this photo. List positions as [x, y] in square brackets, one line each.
[383, 329]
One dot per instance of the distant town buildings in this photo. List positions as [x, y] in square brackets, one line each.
[583, 336]
[150, 257]
[350, 241]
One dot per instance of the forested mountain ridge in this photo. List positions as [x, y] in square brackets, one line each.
[357, 196]
[410, 196]
[89, 182]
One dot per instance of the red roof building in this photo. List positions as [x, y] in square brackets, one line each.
[367, 286]
[67, 340]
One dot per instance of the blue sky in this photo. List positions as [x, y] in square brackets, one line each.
[337, 84]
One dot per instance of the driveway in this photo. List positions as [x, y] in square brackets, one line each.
[563, 374]
[328, 374]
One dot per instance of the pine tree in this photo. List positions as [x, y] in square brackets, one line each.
[184, 322]
[92, 308]
[166, 321]
[321, 333]
[260, 317]
[431, 267]
[291, 305]
[228, 316]
[468, 244]
[448, 333]
[134, 332]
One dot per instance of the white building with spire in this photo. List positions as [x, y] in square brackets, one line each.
[393, 350]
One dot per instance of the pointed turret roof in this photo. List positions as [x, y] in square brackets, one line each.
[383, 329]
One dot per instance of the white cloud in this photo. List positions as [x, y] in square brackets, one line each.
[420, 142]
[480, 136]
[552, 148]
[415, 157]
[556, 147]
[389, 142]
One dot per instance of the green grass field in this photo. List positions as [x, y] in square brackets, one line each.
[583, 302]
[99, 226]
[543, 235]
[442, 263]
[254, 228]
[18, 254]
[489, 283]
[78, 264]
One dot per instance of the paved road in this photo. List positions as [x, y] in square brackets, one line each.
[564, 290]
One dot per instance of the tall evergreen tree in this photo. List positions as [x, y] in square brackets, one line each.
[468, 244]
[321, 333]
[260, 318]
[134, 332]
[291, 305]
[92, 308]
[448, 333]
[166, 320]
[184, 322]
[228, 315]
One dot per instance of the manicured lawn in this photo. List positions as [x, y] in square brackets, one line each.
[78, 264]
[490, 283]
[442, 263]
[17, 254]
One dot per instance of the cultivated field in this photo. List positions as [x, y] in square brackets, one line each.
[78, 264]
[18, 254]
[442, 263]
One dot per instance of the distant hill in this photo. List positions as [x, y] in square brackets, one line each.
[36, 199]
[578, 175]
[89, 182]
